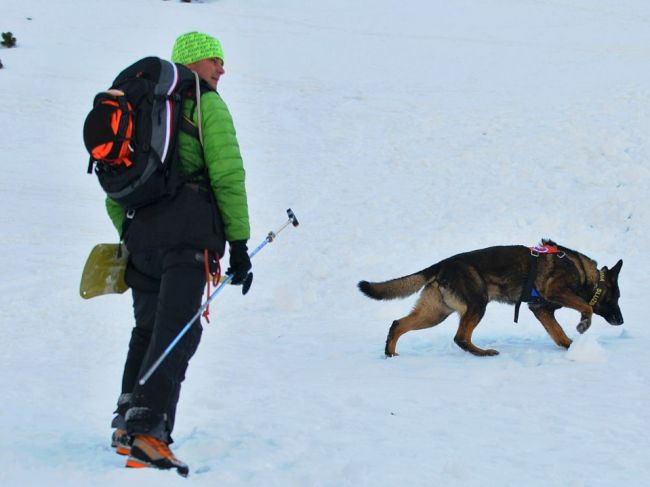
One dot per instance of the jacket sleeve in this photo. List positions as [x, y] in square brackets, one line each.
[115, 213]
[225, 166]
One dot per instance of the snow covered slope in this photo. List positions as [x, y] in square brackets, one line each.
[400, 133]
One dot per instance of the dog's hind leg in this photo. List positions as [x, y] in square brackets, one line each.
[547, 318]
[469, 320]
[429, 311]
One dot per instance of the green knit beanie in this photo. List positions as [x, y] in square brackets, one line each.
[195, 46]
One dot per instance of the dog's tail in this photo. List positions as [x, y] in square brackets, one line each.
[400, 287]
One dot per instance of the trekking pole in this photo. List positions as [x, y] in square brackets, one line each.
[269, 238]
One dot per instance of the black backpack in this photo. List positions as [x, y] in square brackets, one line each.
[132, 130]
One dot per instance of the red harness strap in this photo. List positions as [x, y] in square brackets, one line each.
[211, 275]
[544, 249]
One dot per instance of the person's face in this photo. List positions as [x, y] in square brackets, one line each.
[210, 70]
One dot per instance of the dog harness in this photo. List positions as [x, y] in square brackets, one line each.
[529, 294]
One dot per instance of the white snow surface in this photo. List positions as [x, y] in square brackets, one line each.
[400, 132]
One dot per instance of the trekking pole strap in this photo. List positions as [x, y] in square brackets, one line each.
[269, 238]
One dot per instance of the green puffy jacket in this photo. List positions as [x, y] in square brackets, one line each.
[221, 156]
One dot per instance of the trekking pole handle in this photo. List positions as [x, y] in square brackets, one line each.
[269, 238]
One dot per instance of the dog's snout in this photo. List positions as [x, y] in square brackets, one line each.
[617, 319]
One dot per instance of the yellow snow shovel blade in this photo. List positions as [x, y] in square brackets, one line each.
[104, 271]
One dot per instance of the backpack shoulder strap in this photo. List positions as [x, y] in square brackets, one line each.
[187, 125]
[189, 128]
[198, 106]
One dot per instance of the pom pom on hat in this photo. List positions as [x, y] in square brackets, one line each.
[195, 46]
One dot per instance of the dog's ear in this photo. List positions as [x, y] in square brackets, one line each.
[613, 273]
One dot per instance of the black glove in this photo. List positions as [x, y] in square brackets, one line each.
[240, 265]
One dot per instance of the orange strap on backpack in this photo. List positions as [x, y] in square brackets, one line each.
[115, 118]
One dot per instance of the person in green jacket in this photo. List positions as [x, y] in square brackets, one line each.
[172, 246]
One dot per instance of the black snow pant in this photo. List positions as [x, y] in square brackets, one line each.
[167, 289]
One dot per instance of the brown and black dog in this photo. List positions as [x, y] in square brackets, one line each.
[466, 283]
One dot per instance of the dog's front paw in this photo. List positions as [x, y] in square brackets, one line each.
[583, 326]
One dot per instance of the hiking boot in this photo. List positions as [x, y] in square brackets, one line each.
[121, 441]
[150, 452]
